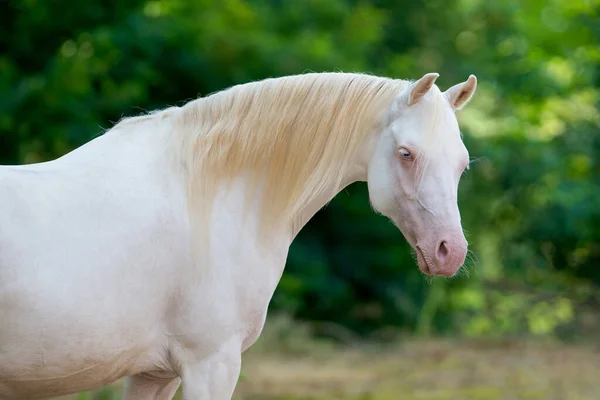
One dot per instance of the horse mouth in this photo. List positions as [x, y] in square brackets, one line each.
[422, 261]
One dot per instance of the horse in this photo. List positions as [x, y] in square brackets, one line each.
[151, 252]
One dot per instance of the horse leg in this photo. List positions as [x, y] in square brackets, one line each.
[212, 378]
[145, 387]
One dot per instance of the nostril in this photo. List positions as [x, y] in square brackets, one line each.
[442, 252]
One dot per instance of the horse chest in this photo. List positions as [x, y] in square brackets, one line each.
[232, 302]
[253, 312]
[256, 292]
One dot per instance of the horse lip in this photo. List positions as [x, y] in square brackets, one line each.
[422, 261]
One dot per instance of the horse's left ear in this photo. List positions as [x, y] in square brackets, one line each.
[460, 94]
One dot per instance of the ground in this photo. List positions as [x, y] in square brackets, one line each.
[435, 369]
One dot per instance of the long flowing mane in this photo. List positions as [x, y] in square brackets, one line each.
[291, 136]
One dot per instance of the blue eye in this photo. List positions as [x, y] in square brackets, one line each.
[404, 153]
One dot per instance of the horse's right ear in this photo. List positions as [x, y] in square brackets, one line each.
[460, 94]
[421, 87]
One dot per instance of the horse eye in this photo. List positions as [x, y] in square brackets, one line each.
[405, 154]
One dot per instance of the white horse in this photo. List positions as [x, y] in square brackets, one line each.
[153, 251]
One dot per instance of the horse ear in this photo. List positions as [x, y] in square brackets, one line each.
[421, 87]
[460, 94]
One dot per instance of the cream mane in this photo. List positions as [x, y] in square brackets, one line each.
[293, 136]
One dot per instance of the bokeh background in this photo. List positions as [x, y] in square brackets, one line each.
[353, 318]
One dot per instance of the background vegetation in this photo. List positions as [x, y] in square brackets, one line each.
[529, 204]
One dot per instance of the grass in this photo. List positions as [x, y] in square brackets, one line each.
[430, 369]
[288, 365]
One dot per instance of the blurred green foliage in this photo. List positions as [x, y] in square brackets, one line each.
[69, 70]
